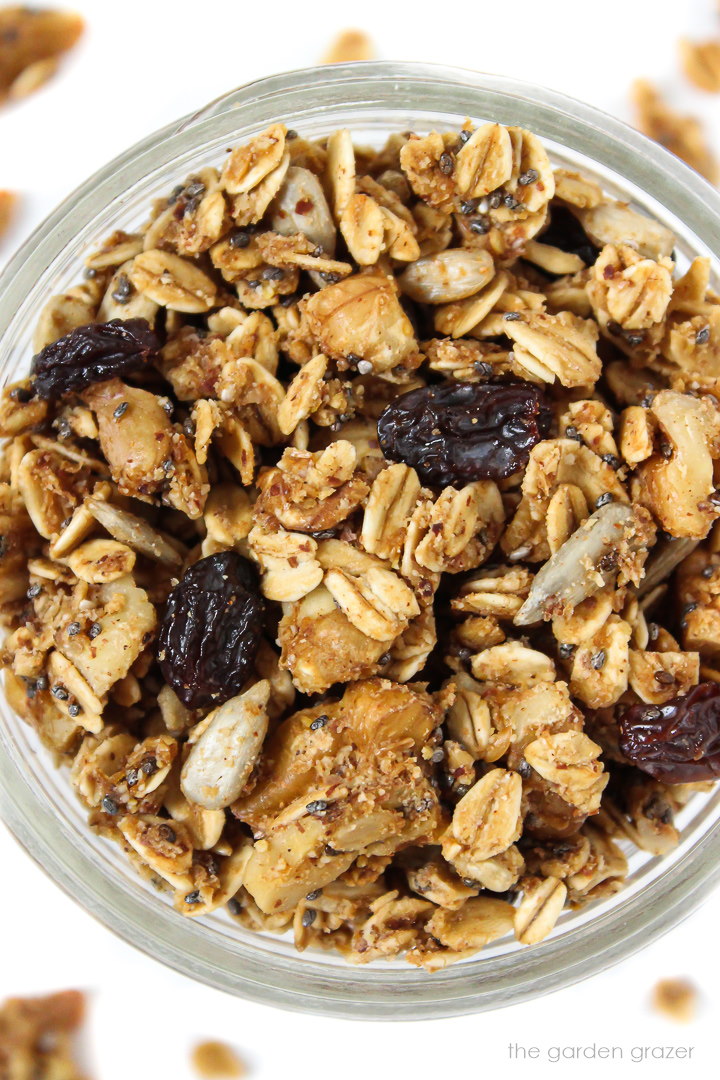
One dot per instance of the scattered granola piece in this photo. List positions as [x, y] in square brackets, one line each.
[8, 201]
[682, 135]
[214, 1060]
[36, 1035]
[700, 62]
[31, 42]
[348, 47]
[676, 999]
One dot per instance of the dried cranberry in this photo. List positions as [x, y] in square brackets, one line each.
[678, 742]
[92, 354]
[460, 432]
[211, 630]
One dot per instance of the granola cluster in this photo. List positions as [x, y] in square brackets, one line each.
[426, 755]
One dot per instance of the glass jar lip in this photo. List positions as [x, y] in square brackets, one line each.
[310, 986]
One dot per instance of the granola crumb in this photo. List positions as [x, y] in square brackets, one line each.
[348, 47]
[36, 1035]
[677, 999]
[214, 1060]
[682, 135]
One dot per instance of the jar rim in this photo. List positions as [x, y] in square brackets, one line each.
[631, 920]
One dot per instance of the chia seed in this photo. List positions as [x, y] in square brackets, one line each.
[481, 226]
[446, 164]
[664, 678]
[512, 316]
[465, 135]
[123, 289]
[565, 650]
[273, 273]
[109, 805]
[193, 897]
[571, 432]
[34, 591]
[120, 410]
[95, 629]
[309, 916]
[73, 629]
[528, 177]
[597, 660]
[132, 776]
[234, 906]
[313, 895]
[60, 693]
[239, 239]
[604, 499]
[317, 806]
[613, 461]
[318, 722]
[74, 709]
[703, 336]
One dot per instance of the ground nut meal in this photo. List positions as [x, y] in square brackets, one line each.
[358, 546]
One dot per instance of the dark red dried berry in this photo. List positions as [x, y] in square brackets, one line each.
[91, 354]
[211, 630]
[678, 742]
[459, 432]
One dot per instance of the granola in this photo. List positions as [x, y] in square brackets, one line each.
[32, 40]
[349, 510]
[36, 1036]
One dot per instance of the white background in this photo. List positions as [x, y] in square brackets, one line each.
[142, 64]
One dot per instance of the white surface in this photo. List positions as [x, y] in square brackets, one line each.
[142, 64]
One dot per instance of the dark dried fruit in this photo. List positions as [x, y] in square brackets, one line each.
[678, 742]
[566, 232]
[211, 630]
[459, 432]
[91, 354]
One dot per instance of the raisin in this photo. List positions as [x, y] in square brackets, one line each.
[678, 742]
[92, 354]
[460, 432]
[211, 630]
[566, 232]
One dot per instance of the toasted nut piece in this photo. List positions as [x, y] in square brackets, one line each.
[485, 162]
[133, 531]
[97, 561]
[172, 282]
[222, 759]
[448, 276]
[571, 574]
[301, 207]
[539, 909]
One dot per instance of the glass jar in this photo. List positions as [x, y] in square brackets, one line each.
[36, 800]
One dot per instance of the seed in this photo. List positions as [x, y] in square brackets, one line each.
[290, 134]
[195, 188]
[465, 135]
[166, 832]
[566, 649]
[703, 336]
[273, 273]
[528, 177]
[109, 805]
[438, 756]
[120, 410]
[608, 561]
[708, 571]
[571, 432]
[512, 316]
[74, 709]
[309, 916]
[611, 460]
[461, 790]
[34, 591]
[31, 689]
[364, 367]
[240, 239]
[524, 769]
[495, 200]
[95, 629]
[168, 465]
[317, 806]
[234, 906]
[664, 678]
[666, 450]
[483, 368]
[446, 163]
[175, 194]
[313, 895]
[319, 722]
[193, 897]
[123, 289]
[597, 660]
[21, 394]
[149, 765]
[42, 682]
[131, 777]
[604, 499]
[330, 279]
[60, 693]
[480, 226]
[512, 203]
[653, 631]
[469, 207]
[73, 629]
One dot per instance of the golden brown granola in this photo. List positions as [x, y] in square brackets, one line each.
[682, 135]
[349, 46]
[32, 40]
[214, 1060]
[36, 1036]
[8, 201]
[700, 62]
[676, 999]
[406, 736]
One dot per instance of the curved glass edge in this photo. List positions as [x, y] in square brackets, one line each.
[369, 993]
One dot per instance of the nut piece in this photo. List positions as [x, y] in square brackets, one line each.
[448, 276]
[223, 757]
[676, 998]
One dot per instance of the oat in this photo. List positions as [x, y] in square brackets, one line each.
[463, 650]
[676, 999]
